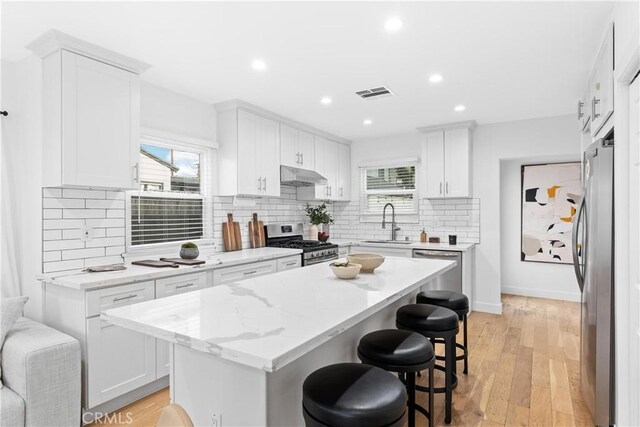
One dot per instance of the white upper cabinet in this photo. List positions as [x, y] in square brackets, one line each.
[249, 154]
[601, 84]
[344, 172]
[296, 148]
[446, 161]
[333, 162]
[91, 115]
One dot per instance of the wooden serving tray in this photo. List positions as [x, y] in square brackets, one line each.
[183, 261]
[156, 264]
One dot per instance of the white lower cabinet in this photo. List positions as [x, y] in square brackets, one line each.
[119, 361]
[242, 272]
[167, 287]
[289, 263]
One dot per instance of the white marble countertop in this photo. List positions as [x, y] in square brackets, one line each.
[268, 322]
[137, 273]
[460, 247]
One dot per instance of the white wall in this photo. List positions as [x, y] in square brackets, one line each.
[528, 278]
[168, 111]
[493, 143]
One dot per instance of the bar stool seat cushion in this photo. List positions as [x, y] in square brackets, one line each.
[426, 316]
[396, 347]
[450, 299]
[354, 394]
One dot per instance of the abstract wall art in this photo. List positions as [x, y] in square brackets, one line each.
[551, 194]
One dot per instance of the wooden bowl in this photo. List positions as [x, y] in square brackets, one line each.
[348, 272]
[369, 262]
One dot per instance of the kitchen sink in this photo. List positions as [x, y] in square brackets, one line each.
[395, 242]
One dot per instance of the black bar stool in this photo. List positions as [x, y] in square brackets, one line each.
[406, 353]
[435, 323]
[454, 301]
[353, 395]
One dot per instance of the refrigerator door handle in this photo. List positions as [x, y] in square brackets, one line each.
[574, 244]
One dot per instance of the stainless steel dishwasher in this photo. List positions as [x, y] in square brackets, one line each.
[452, 279]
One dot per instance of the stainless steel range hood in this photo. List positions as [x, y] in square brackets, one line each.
[296, 177]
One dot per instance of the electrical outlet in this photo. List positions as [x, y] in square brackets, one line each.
[86, 233]
[216, 419]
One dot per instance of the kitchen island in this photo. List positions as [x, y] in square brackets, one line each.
[241, 351]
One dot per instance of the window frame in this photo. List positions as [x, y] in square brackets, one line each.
[208, 156]
[412, 217]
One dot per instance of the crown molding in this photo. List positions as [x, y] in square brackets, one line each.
[54, 40]
[237, 103]
[469, 124]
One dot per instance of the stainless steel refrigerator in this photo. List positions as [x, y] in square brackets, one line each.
[593, 263]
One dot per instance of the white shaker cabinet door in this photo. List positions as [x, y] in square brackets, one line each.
[344, 173]
[306, 147]
[456, 163]
[119, 360]
[100, 124]
[289, 151]
[433, 165]
[249, 180]
[268, 161]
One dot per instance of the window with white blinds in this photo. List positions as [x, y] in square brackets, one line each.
[170, 203]
[393, 183]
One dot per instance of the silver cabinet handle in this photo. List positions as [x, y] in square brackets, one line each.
[136, 175]
[259, 183]
[246, 273]
[265, 183]
[298, 158]
[440, 188]
[291, 263]
[594, 102]
[580, 113]
[447, 188]
[326, 190]
[302, 158]
[340, 191]
[117, 299]
[184, 286]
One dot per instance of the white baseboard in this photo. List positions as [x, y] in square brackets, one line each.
[542, 293]
[487, 307]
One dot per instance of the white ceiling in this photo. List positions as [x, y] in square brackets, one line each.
[504, 61]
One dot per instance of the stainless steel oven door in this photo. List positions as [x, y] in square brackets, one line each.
[318, 260]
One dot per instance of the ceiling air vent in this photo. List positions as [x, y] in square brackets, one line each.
[375, 93]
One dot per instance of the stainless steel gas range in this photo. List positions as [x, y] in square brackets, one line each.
[290, 236]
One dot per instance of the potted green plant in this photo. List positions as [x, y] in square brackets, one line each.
[189, 250]
[318, 215]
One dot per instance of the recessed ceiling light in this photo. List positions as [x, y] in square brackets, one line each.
[258, 64]
[393, 24]
[326, 100]
[459, 108]
[435, 78]
[367, 122]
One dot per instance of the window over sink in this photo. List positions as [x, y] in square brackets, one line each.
[170, 205]
[394, 182]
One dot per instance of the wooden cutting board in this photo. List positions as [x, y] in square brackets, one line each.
[231, 234]
[155, 263]
[183, 261]
[256, 233]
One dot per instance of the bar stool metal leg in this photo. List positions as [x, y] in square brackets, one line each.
[450, 356]
[466, 348]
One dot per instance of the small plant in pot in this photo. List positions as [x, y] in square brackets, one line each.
[318, 215]
[189, 250]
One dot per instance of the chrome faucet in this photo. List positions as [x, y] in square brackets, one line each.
[393, 220]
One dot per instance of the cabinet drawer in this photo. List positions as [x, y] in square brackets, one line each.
[289, 263]
[242, 272]
[180, 284]
[118, 296]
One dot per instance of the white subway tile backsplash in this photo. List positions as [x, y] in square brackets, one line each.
[51, 234]
[52, 267]
[52, 256]
[52, 214]
[83, 253]
[55, 245]
[105, 223]
[61, 224]
[103, 242]
[51, 192]
[73, 193]
[53, 203]
[105, 204]
[84, 213]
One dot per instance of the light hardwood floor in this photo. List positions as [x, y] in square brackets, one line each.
[523, 370]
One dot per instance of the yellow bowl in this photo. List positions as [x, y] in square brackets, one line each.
[369, 262]
[348, 272]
